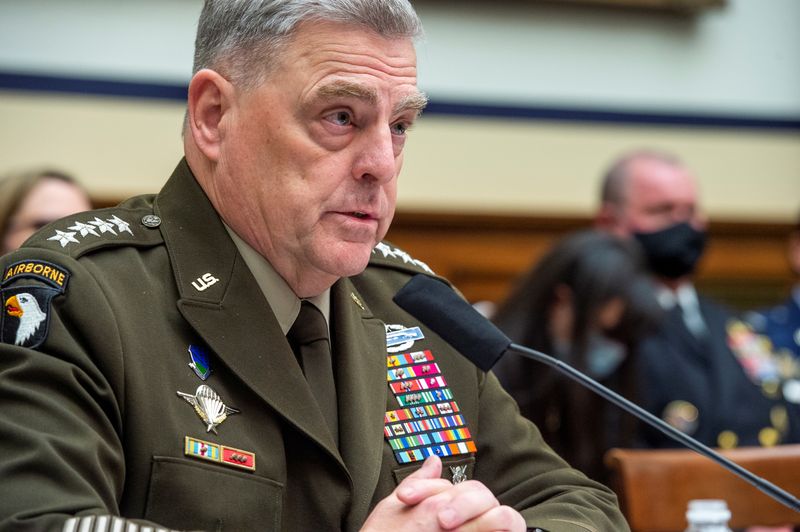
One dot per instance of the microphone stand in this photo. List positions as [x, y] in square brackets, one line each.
[767, 487]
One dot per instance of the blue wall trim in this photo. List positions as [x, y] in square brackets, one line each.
[177, 92]
[563, 114]
[91, 87]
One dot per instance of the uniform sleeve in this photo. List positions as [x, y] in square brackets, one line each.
[62, 404]
[523, 472]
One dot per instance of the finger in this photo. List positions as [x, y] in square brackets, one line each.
[431, 468]
[468, 500]
[423, 483]
[499, 518]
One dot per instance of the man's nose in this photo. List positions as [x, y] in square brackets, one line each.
[376, 159]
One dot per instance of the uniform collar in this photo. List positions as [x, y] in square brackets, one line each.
[684, 295]
[221, 300]
[282, 300]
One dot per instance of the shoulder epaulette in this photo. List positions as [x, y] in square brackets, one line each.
[129, 224]
[387, 255]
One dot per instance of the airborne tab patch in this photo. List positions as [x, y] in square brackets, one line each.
[47, 272]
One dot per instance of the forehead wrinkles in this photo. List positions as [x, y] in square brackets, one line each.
[362, 58]
[333, 78]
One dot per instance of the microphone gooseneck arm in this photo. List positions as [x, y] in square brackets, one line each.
[766, 486]
[438, 306]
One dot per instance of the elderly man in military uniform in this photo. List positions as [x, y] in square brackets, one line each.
[698, 371]
[221, 356]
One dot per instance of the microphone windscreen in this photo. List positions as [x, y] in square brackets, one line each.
[438, 306]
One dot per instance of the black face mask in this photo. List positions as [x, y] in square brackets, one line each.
[673, 252]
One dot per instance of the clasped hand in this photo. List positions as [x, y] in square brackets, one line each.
[426, 502]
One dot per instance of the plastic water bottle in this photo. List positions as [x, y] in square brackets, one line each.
[708, 515]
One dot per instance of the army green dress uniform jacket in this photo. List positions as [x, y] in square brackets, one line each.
[92, 424]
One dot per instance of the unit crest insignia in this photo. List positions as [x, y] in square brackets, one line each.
[459, 473]
[198, 361]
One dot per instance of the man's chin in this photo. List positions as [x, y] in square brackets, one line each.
[352, 258]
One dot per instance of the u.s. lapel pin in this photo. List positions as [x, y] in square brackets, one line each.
[209, 406]
[357, 301]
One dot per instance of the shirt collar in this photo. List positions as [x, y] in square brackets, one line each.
[282, 300]
[685, 295]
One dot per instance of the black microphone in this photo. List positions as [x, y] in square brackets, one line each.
[438, 306]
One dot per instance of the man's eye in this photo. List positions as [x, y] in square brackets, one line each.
[400, 128]
[340, 118]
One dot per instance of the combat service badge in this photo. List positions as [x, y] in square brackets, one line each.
[25, 317]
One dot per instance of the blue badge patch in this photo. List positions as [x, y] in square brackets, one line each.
[198, 361]
[26, 314]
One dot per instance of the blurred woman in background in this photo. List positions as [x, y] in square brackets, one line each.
[586, 302]
[30, 200]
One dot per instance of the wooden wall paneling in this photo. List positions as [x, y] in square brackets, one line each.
[483, 255]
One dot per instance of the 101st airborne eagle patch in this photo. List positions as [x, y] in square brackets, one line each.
[25, 317]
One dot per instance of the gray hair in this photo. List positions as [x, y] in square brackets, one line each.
[242, 39]
[615, 181]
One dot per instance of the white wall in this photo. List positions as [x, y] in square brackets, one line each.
[742, 60]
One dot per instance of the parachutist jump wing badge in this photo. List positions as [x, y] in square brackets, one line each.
[209, 406]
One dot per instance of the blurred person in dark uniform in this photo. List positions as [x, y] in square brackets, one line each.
[781, 325]
[698, 372]
[32, 199]
[227, 355]
[587, 302]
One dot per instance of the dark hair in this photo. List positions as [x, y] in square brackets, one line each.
[597, 267]
[14, 188]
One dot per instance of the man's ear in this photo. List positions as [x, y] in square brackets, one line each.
[210, 97]
[609, 218]
[605, 217]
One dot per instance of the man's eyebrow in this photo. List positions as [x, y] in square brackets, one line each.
[415, 101]
[338, 89]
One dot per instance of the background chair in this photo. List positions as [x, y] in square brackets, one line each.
[655, 486]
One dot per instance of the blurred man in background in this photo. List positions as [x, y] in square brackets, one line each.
[690, 376]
